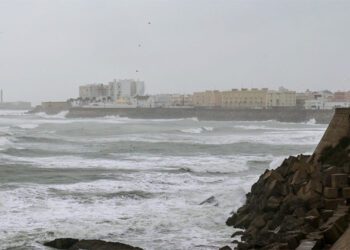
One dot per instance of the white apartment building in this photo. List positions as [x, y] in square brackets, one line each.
[115, 90]
[321, 103]
[161, 100]
[126, 88]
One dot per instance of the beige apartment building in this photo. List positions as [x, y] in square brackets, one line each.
[281, 98]
[181, 100]
[209, 98]
[245, 98]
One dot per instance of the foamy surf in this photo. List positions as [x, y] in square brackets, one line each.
[119, 178]
[197, 130]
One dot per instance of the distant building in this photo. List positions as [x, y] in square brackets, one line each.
[16, 105]
[341, 96]
[300, 100]
[180, 100]
[162, 100]
[209, 98]
[13, 105]
[315, 104]
[144, 101]
[56, 105]
[94, 91]
[127, 88]
[281, 98]
[116, 91]
[245, 98]
[188, 100]
[320, 103]
[327, 100]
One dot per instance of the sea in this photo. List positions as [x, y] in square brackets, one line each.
[152, 183]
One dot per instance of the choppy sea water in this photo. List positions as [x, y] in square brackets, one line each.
[135, 181]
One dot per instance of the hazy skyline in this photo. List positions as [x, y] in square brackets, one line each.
[48, 48]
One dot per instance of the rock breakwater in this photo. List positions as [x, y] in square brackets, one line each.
[304, 203]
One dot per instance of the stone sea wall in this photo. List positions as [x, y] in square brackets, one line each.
[219, 114]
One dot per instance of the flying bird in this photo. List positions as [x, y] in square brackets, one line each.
[149, 22]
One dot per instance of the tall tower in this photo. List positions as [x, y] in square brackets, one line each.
[1, 96]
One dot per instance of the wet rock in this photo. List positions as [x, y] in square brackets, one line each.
[74, 244]
[238, 233]
[210, 200]
[226, 248]
[64, 243]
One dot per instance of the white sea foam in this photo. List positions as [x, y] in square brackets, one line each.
[61, 115]
[192, 130]
[311, 121]
[126, 195]
[201, 163]
[197, 130]
[97, 210]
[4, 141]
[306, 137]
[28, 126]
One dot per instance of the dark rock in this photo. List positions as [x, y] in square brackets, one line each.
[226, 248]
[237, 233]
[210, 200]
[63, 243]
[313, 221]
[326, 214]
[74, 244]
[273, 203]
[101, 245]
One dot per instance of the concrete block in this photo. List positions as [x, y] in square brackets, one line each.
[339, 180]
[346, 168]
[346, 193]
[332, 234]
[330, 193]
[332, 204]
[313, 221]
[306, 245]
[326, 214]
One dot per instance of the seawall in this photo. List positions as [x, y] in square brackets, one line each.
[338, 128]
[218, 114]
[304, 203]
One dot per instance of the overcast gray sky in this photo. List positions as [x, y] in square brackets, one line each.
[50, 47]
